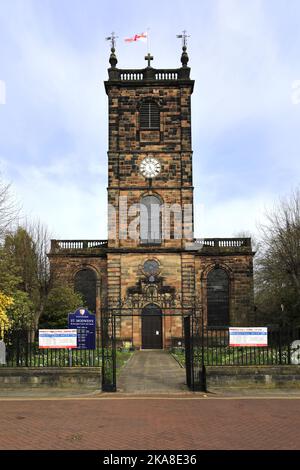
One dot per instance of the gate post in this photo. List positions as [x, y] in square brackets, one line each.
[114, 354]
[187, 348]
[202, 379]
[108, 368]
[202, 372]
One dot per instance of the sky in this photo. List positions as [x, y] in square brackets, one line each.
[244, 58]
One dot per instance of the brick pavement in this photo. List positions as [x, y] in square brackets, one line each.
[153, 423]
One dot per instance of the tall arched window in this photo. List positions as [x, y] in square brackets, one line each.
[85, 283]
[150, 220]
[217, 298]
[149, 115]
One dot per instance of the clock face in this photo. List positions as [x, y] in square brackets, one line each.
[150, 167]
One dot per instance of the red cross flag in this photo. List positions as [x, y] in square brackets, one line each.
[137, 37]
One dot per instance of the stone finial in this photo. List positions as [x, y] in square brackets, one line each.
[113, 58]
[184, 55]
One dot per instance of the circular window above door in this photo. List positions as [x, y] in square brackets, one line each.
[151, 267]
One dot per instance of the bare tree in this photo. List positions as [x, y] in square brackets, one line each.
[278, 261]
[41, 239]
[9, 209]
[247, 234]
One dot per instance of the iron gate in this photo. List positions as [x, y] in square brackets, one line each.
[194, 351]
[110, 322]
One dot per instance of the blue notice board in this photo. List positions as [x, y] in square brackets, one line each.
[85, 324]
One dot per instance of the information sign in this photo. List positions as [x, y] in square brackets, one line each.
[56, 339]
[248, 336]
[85, 324]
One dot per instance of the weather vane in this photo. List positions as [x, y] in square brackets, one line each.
[184, 37]
[112, 40]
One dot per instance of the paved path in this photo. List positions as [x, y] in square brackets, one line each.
[152, 372]
[154, 423]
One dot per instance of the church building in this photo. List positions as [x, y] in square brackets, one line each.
[151, 270]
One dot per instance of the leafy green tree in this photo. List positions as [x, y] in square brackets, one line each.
[20, 246]
[5, 303]
[9, 273]
[21, 312]
[62, 299]
[26, 250]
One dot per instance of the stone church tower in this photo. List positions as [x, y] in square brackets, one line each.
[151, 269]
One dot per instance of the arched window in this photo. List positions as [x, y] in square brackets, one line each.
[150, 220]
[85, 283]
[149, 115]
[217, 298]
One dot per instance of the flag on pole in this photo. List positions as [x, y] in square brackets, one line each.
[137, 37]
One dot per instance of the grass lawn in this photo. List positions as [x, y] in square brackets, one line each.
[179, 355]
[235, 356]
[122, 358]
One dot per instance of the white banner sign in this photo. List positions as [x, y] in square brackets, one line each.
[248, 336]
[56, 339]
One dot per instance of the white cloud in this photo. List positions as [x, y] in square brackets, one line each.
[69, 210]
[61, 103]
[2, 92]
[226, 219]
[54, 137]
[242, 75]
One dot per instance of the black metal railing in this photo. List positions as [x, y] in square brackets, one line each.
[22, 350]
[211, 347]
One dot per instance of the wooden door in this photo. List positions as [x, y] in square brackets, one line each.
[151, 327]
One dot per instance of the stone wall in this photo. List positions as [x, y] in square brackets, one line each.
[176, 231]
[173, 100]
[184, 272]
[126, 274]
[253, 377]
[88, 379]
[83, 378]
[129, 145]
